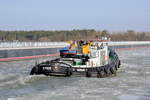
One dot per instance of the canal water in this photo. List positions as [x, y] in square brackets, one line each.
[132, 81]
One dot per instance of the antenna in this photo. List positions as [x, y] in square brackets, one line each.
[36, 61]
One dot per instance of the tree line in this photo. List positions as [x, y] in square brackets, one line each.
[86, 34]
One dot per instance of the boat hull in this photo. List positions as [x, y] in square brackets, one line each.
[50, 68]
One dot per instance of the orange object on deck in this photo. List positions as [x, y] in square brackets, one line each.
[85, 49]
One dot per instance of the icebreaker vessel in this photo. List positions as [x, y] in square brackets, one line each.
[90, 59]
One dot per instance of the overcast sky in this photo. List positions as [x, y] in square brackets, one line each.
[113, 15]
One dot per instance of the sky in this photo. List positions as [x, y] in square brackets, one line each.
[112, 15]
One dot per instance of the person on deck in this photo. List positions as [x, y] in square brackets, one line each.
[73, 45]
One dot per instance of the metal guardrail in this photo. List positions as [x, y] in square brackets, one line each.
[61, 44]
[117, 43]
[31, 44]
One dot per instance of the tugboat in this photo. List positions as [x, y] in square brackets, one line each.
[90, 59]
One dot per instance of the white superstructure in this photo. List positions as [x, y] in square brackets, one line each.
[98, 55]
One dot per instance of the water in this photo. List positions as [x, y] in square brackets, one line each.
[132, 82]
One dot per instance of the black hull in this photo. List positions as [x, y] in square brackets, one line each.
[48, 69]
